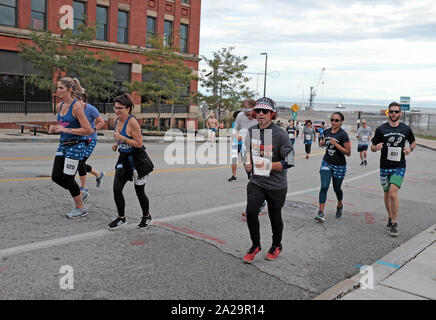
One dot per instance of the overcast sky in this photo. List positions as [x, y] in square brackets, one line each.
[370, 49]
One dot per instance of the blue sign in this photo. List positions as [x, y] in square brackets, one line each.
[405, 103]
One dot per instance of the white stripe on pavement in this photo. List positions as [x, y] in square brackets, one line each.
[105, 232]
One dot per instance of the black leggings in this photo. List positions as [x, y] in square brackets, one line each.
[119, 183]
[308, 147]
[65, 181]
[83, 167]
[275, 199]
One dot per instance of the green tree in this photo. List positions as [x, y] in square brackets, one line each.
[56, 56]
[225, 84]
[167, 77]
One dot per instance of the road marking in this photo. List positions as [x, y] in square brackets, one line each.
[111, 173]
[105, 232]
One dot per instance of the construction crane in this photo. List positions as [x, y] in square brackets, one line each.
[313, 89]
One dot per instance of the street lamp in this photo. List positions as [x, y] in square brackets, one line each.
[266, 64]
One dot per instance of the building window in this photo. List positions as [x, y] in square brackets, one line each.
[38, 14]
[168, 33]
[79, 14]
[101, 32]
[123, 26]
[184, 38]
[186, 1]
[151, 30]
[8, 13]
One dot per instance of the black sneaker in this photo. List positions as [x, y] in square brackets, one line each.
[233, 178]
[116, 223]
[339, 211]
[366, 163]
[319, 216]
[145, 222]
[362, 163]
[389, 224]
[394, 230]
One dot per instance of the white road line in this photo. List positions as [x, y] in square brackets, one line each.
[105, 232]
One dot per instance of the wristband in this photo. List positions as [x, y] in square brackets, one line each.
[124, 140]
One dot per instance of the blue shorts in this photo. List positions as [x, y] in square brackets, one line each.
[76, 152]
[337, 171]
[90, 148]
[392, 176]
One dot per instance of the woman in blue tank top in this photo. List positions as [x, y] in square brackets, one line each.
[128, 137]
[72, 126]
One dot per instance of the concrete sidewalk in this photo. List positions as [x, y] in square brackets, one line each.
[407, 273]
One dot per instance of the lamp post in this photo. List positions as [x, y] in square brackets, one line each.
[266, 67]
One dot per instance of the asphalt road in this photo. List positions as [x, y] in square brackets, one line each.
[194, 248]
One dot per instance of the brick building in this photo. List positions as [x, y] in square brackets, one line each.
[123, 29]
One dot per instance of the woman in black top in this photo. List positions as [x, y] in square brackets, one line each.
[334, 165]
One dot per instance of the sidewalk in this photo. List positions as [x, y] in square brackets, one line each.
[407, 273]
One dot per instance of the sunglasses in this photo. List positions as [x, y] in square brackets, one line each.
[335, 120]
[394, 111]
[119, 108]
[264, 111]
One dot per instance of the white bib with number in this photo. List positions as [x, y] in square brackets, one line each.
[394, 154]
[308, 137]
[261, 166]
[364, 138]
[291, 136]
[70, 166]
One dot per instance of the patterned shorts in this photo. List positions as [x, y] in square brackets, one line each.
[337, 171]
[392, 176]
[76, 152]
[90, 148]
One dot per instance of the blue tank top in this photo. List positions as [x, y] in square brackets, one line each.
[70, 122]
[124, 147]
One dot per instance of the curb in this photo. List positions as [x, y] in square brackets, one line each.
[399, 256]
[426, 146]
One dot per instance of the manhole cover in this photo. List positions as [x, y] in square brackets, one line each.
[301, 207]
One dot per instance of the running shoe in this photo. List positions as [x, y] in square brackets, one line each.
[362, 163]
[145, 222]
[99, 179]
[244, 214]
[319, 216]
[366, 163]
[116, 223]
[394, 230]
[233, 178]
[251, 254]
[339, 211]
[77, 213]
[273, 253]
[85, 194]
[389, 224]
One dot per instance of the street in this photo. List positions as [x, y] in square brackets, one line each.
[195, 246]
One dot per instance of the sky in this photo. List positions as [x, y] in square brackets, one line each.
[372, 50]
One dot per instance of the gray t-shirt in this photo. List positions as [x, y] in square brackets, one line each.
[309, 134]
[364, 134]
[271, 144]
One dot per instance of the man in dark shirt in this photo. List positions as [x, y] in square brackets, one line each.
[269, 155]
[391, 139]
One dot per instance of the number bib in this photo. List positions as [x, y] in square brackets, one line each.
[308, 137]
[261, 166]
[394, 154]
[291, 136]
[364, 138]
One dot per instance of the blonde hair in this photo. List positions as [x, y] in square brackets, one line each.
[78, 92]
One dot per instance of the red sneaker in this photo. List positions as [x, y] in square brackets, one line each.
[251, 254]
[244, 214]
[273, 253]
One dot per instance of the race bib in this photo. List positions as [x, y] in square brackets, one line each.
[364, 138]
[291, 136]
[261, 166]
[70, 166]
[308, 137]
[394, 154]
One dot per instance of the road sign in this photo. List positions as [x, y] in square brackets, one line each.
[405, 103]
[295, 108]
